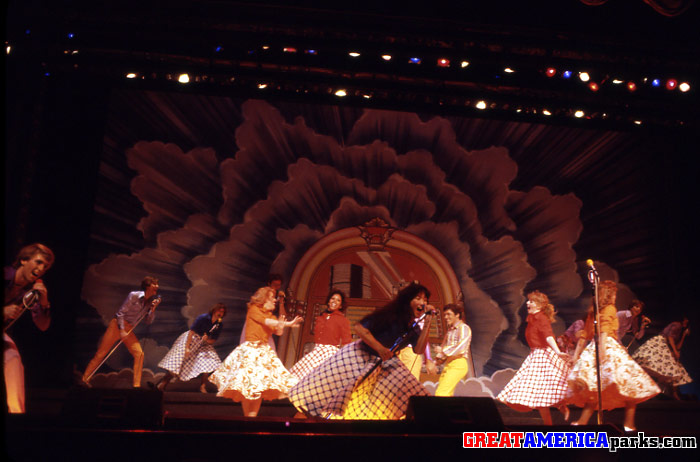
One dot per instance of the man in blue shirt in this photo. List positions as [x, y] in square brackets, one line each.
[137, 306]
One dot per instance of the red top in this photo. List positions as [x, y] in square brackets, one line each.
[538, 329]
[332, 329]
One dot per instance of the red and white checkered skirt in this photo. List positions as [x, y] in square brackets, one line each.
[622, 379]
[252, 371]
[313, 359]
[203, 360]
[540, 382]
[332, 389]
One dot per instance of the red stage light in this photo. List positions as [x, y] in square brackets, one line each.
[631, 86]
[671, 84]
[593, 86]
[550, 72]
[442, 62]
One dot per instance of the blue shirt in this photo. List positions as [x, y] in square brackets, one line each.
[203, 325]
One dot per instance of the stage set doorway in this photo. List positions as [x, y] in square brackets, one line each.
[370, 263]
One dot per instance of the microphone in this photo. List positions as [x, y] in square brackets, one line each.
[590, 264]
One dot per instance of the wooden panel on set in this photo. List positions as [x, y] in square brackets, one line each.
[114, 408]
[463, 411]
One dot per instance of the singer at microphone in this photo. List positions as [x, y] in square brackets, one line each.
[193, 353]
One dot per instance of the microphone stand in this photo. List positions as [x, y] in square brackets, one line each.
[143, 316]
[595, 280]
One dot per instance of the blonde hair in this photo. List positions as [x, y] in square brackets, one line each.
[542, 301]
[261, 295]
[607, 291]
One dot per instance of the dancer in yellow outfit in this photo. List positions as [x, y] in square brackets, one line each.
[453, 352]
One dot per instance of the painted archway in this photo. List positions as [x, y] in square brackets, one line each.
[369, 263]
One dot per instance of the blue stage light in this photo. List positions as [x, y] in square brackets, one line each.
[566, 74]
[656, 83]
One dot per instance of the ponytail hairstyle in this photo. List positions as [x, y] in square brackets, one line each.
[541, 300]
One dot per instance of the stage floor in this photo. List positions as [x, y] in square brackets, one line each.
[186, 425]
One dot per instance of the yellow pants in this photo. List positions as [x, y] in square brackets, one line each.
[454, 371]
[110, 337]
[413, 362]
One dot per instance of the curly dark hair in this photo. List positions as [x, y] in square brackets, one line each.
[343, 301]
[398, 311]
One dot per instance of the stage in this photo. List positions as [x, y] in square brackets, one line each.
[186, 425]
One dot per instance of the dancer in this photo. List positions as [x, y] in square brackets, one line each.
[139, 305]
[568, 340]
[454, 351]
[340, 387]
[660, 356]
[540, 383]
[623, 382]
[24, 290]
[253, 372]
[192, 353]
[274, 281]
[632, 325]
[331, 331]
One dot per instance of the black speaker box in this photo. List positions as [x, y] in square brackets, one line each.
[463, 411]
[113, 408]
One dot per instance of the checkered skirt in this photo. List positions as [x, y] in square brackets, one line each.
[252, 371]
[622, 380]
[313, 359]
[656, 357]
[332, 389]
[203, 360]
[540, 382]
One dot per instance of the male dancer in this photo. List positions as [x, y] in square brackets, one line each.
[140, 304]
[21, 278]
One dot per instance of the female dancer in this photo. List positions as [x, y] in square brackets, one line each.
[453, 352]
[660, 356]
[540, 383]
[253, 372]
[331, 330]
[623, 382]
[192, 353]
[340, 387]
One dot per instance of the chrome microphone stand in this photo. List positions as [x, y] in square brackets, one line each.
[595, 280]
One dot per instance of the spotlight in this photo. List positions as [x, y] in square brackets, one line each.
[311, 52]
[9, 48]
[593, 86]
[617, 81]
[465, 64]
[266, 47]
[71, 35]
[341, 93]
[508, 70]
[584, 76]
[443, 62]
[671, 84]
[550, 72]
[289, 50]
[367, 96]
[566, 74]
[354, 54]
[183, 78]
[481, 105]
[131, 75]
[685, 86]
[638, 122]
[414, 61]
[386, 57]
[579, 114]
[656, 83]
[631, 86]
